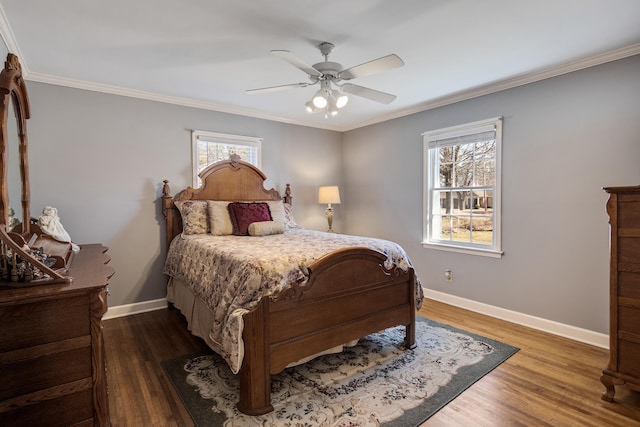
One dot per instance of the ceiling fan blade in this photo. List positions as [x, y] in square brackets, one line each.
[365, 92]
[297, 62]
[379, 65]
[277, 88]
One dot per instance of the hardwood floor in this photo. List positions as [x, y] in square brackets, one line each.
[551, 381]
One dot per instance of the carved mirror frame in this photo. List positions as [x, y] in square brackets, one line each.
[14, 91]
[19, 265]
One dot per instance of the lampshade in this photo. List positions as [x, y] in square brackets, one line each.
[329, 195]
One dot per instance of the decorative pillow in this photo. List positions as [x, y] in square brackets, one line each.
[243, 214]
[266, 228]
[194, 216]
[289, 221]
[219, 219]
[276, 207]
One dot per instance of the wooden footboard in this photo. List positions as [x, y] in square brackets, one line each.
[349, 295]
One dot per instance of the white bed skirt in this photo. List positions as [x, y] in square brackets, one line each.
[199, 316]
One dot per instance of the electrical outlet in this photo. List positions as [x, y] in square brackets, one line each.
[448, 276]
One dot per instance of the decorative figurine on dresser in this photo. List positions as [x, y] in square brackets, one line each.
[623, 208]
[52, 296]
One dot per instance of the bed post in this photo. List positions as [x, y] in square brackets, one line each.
[287, 198]
[410, 337]
[255, 378]
[169, 211]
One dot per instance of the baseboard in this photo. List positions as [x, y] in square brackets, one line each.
[567, 331]
[578, 334]
[135, 308]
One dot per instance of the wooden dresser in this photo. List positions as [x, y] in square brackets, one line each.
[52, 366]
[623, 208]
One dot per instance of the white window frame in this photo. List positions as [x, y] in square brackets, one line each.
[431, 176]
[224, 139]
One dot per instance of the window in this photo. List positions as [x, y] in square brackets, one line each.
[210, 147]
[462, 188]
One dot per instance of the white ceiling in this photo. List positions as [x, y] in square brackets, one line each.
[206, 53]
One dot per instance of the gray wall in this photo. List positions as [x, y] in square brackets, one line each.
[100, 159]
[563, 140]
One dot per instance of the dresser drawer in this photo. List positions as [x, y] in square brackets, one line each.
[629, 320]
[629, 285]
[40, 373]
[68, 410]
[629, 358]
[37, 323]
[628, 211]
[628, 250]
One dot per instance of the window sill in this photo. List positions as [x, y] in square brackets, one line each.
[467, 250]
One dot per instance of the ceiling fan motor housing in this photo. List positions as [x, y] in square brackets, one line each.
[329, 70]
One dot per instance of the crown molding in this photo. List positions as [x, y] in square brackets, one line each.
[511, 82]
[150, 96]
[10, 40]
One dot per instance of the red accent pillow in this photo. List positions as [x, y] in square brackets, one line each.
[243, 214]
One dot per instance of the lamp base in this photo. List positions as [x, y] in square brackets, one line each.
[329, 212]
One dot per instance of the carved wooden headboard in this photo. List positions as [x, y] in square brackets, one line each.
[232, 180]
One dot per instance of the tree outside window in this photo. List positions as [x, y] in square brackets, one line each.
[210, 147]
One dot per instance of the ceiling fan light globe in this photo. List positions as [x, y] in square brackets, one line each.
[342, 100]
[310, 107]
[319, 101]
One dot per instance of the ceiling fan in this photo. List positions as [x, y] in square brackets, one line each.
[331, 95]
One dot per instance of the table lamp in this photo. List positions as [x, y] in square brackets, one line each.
[329, 195]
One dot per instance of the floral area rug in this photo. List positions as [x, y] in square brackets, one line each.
[377, 382]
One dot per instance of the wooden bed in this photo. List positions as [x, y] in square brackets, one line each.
[348, 295]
